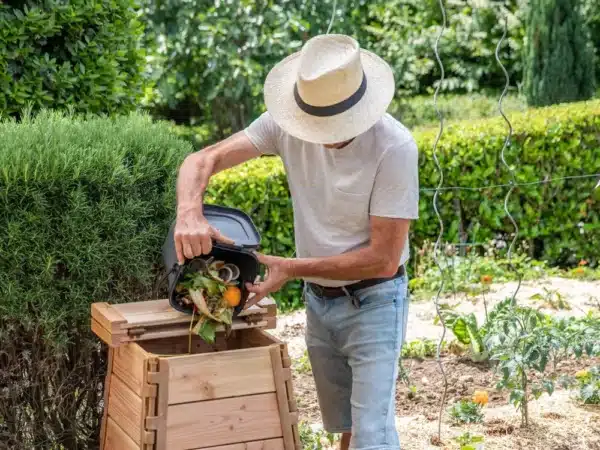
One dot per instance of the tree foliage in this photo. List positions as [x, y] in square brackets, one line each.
[210, 57]
[559, 57]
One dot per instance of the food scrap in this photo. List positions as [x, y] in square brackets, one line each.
[210, 289]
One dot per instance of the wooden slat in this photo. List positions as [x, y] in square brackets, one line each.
[107, 316]
[179, 346]
[149, 404]
[125, 408]
[129, 365]
[257, 338]
[117, 439]
[183, 330]
[160, 312]
[269, 444]
[254, 309]
[162, 404]
[105, 405]
[282, 399]
[219, 375]
[112, 339]
[221, 422]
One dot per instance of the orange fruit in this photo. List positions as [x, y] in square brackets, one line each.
[233, 296]
[480, 397]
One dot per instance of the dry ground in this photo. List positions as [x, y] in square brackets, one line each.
[559, 422]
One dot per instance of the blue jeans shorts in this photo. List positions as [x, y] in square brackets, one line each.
[354, 353]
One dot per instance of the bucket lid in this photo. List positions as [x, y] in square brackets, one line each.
[234, 224]
[231, 222]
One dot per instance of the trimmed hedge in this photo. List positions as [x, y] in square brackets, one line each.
[84, 208]
[83, 55]
[550, 142]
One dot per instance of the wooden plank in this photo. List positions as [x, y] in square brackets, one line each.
[257, 338]
[129, 365]
[149, 404]
[162, 404]
[117, 439]
[105, 403]
[112, 339]
[271, 323]
[125, 408]
[270, 305]
[160, 312]
[219, 375]
[221, 422]
[293, 405]
[254, 309]
[282, 399]
[269, 444]
[179, 345]
[107, 316]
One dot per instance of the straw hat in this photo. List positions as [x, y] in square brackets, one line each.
[329, 92]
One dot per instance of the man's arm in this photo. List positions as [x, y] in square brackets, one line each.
[193, 233]
[379, 259]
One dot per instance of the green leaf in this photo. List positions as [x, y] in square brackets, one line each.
[208, 331]
[461, 331]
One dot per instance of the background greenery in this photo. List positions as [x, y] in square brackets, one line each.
[559, 222]
[209, 58]
[83, 55]
[86, 201]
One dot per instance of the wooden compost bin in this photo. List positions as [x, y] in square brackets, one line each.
[234, 395]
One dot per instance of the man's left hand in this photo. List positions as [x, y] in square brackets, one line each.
[278, 273]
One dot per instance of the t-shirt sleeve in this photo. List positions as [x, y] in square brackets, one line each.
[396, 188]
[264, 134]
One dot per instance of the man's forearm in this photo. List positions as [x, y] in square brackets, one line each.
[359, 264]
[192, 181]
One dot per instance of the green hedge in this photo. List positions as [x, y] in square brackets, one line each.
[84, 208]
[551, 142]
[79, 54]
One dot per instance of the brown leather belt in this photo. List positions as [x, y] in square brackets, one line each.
[333, 292]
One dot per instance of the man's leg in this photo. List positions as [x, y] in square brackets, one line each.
[332, 374]
[372, 341]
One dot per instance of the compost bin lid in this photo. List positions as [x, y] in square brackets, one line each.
[155, 319]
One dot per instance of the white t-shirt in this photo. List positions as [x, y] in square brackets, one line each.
[334, 191]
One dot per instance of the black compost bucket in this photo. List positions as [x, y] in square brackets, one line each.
[237, 226]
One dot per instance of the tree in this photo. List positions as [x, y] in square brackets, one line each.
[559, 58]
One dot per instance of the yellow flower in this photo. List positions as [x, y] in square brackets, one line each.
[582, 374]
[480, 397]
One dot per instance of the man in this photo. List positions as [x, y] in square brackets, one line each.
[353, 176]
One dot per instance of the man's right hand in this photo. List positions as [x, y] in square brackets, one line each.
[194, 236]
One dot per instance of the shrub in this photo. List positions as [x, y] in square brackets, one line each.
[589, 385]
[82, 54]
[419, 111]
[559, 221]
[85, 208]
[466, 411]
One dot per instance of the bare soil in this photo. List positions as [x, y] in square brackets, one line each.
[558, 422]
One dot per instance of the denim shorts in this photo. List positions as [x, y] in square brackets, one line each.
[354, 353]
